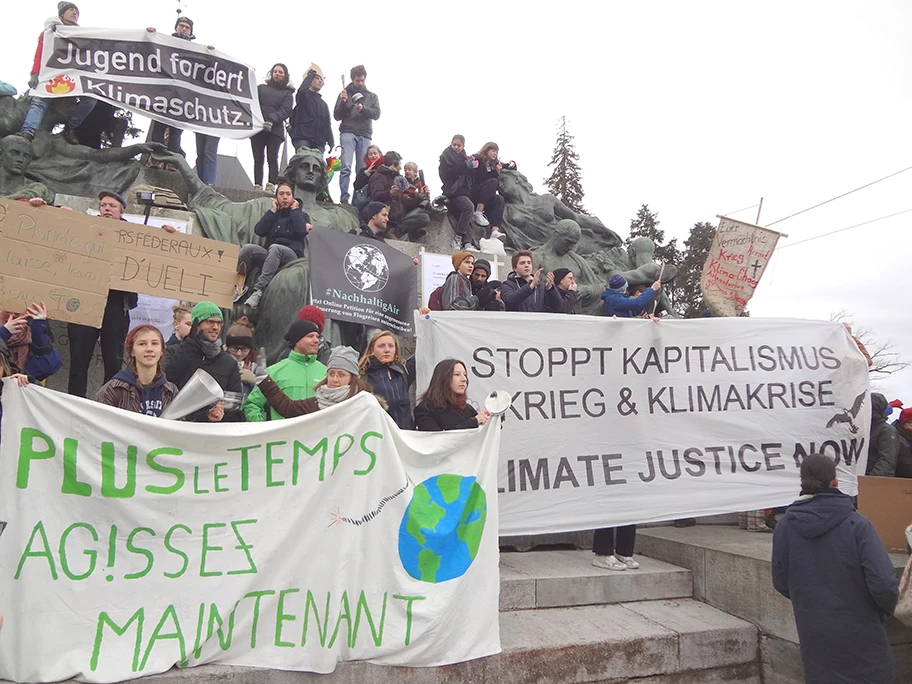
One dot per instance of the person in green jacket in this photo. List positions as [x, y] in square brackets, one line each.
[296, 376]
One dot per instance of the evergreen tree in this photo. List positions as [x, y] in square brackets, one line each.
[689, 300]
[566, 181]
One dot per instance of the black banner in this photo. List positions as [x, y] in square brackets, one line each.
[362, 280]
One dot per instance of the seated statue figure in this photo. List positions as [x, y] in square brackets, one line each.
[637, 264]
[530, 219]
[222, 219]
[15, 157]
[558, 252]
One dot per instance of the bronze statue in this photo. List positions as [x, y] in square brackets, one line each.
[15, 156]
[558, 252]
[637, 264]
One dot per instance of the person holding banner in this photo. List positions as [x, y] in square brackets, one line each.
[618, 303]
[389, 376]
[613, 548]
[29, 341]
[830, 563]
[444, 406]
[341, 383]
[141, 387]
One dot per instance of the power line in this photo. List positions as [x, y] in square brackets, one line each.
[833, 199]
[833, 232]
[732, 213]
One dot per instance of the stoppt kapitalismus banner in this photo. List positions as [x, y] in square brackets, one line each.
[135, 544]
[176, 82]
[361, 280]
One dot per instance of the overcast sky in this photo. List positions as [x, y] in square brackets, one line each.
[696, 109]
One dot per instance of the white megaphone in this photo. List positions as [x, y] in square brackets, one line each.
[201, 390]
[498, 402]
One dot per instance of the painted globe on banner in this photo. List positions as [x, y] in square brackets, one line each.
[366, 268]
[441, 530]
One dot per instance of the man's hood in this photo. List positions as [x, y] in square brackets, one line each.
[815, 516]
[879, 405]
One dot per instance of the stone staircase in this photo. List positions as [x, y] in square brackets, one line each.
[564, 621]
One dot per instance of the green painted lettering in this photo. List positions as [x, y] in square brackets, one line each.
[177, 552]
[46, 553]
[270, 461]
[344, 614]
[282, 616]
[322, 629]
[408, 613]
[337, 453]
[28, 453]
[256, 612]
[322, 446]
[71, 483]
[157, 635]
[108, 487]
[376, 634]
[141, 552]
[373, 456]
[177, 473]
[245, 464]
[219, 476]
[103, 620]
[206, 549]
[243, 547]
[91, 553]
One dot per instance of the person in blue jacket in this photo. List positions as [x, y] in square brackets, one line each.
[28, 340]
[285, 228]
[617, 303]
[390, 376]
[829, 561]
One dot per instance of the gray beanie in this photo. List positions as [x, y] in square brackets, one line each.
[64, 6]
[343, 358]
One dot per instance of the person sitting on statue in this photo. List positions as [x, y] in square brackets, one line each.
[373, 160]
[276, 102]
[456, 173]
[565, 286]
[67, 15]
[522, 291]
[617, 303]
[310, 123]
[387, 185]
[457, 288]
[285, 227]
[489, 204]
[297, 376]
[16, 154]
[417, 188]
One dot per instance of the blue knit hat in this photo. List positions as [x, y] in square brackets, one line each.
[617, 282]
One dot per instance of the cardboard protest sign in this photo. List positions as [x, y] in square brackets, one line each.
[616, 422]
[362, 280]
[149, 260]
[135, 544]
[58, 257]
[737, 259]
[176, 82]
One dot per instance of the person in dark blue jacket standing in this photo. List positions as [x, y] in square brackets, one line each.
[276, 102]
[829, 561]
[389, 376]
[311, 125]
[285, 228]
[617, 303]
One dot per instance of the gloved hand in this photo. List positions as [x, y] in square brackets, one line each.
[33, 81]
[248, 376]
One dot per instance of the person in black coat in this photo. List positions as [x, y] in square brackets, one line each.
[456, 171]
[311, 125]
[202, 349]
[387, 185]
[285, 228]
[489, 204]
[276, 102]
[829, 561]
[389, 376]
[444, 406]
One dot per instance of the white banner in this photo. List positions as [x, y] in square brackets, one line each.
[174, 81]
[135, 544]
[626, 421]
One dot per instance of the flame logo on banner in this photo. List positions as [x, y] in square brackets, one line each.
[60, 85]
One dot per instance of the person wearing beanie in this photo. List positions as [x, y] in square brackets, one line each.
[523, 290]
[284, 228]
[480, 274]
[141, 387]
[619, 304]
[830, 563]
[311, 124]
[202, 349]
[565, 287]
[903, 427]
[67, 15]
[883, 443]
[296, 376]
[317, 317]
[457, 288]
[489, 296]
[240, 344]
[387, 185]
[374, 220]
[341, 383]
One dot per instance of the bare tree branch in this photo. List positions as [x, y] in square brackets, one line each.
[884, 355]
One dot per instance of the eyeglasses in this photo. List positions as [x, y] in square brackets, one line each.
[238, 350]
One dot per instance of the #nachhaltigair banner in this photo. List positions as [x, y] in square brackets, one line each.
[361, 280]
[174, 81]
[135, 544]
[628, 421]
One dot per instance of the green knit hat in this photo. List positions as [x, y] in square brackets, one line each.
[204, 311]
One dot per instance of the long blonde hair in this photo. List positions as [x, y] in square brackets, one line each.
[364, 362]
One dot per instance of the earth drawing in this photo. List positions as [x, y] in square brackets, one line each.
[366, 268]
[442, 527]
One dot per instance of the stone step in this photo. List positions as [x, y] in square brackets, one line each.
[647, 642]
[552, 579]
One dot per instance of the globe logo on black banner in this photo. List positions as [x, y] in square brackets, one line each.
[366, 268]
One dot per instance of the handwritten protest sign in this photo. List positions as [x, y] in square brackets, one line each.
[136, 544]
[152, 261]
[58, 257]
[737, 259]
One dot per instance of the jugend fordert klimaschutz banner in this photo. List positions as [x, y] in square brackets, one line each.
[616, 422]
[136, 544]
[176, 82]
